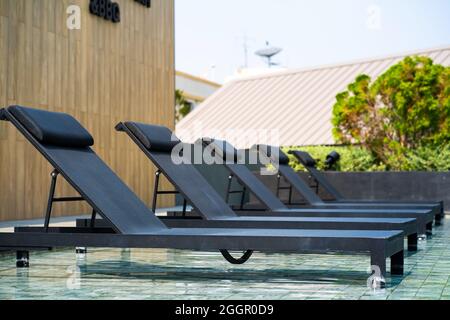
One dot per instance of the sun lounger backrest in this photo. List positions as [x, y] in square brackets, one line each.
[289, 174]
[184, 176]
[310, 164]
[66, 145]
[246, 177]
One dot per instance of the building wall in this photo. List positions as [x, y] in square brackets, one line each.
[195, 89]
[101, 74]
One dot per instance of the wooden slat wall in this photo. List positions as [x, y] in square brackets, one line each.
[101, 74]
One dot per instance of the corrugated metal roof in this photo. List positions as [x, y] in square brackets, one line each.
[289, 108]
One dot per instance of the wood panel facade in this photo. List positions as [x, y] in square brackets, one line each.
[102, 74]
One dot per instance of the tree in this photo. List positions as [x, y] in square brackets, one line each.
[405, 108]
[183, 107]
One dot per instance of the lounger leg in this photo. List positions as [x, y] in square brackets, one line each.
[184, 208]
[412, 242]
[442, 215]
[278, 185]
[93, 218]
[243, 198]
[430, 228]
[227, 196]
[51, 195]
[438, 220]
[316, 185]
[22, 259]
[397, 264]
[291, 192]
[156, 190]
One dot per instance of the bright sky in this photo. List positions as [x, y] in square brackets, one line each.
[210, 33]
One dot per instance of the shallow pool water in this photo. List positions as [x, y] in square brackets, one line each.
[172, 274]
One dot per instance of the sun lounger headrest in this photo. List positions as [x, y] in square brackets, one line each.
[154, 138]
[53, 128]
[305, 158]
[2, 114]
[282, 158]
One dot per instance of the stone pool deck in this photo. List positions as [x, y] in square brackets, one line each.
[171, 275]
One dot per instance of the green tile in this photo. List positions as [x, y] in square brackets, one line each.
[175, 275]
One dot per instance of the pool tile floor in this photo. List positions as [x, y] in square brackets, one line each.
[172, 275]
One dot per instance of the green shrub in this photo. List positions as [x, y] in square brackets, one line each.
[358, 159]
[406, 108]
[427, 159]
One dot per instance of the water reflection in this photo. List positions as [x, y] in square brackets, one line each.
[173, 274]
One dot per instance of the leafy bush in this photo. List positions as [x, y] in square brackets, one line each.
[359, 159]
[426, 159]
[182, 106]
[406, 108]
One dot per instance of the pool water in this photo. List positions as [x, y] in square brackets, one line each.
[172, 274]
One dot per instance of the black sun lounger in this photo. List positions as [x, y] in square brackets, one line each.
[67, 147]
[246, 178]
[310, 164]
[157, 144]
[282, 162]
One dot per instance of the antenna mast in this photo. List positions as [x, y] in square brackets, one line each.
[245, 44]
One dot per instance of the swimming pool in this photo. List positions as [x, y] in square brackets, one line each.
[172, 275]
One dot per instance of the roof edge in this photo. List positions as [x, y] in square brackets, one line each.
[197, 78]
[341, 64]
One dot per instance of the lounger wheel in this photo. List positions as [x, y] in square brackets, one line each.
[247, 255]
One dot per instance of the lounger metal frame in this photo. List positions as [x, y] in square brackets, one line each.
[320, 180]
[261, 219]
[27, 240]
[246, 178]
[380, 246]
[157, 192]
[52, 199]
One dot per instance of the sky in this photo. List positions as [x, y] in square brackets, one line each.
[210, 34]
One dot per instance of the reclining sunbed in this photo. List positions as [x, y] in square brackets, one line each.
[310, 164]
[67, 147]
[157, 144]
[281, 160]
[246, 178]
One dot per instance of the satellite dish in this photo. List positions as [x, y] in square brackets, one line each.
[268, 53]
